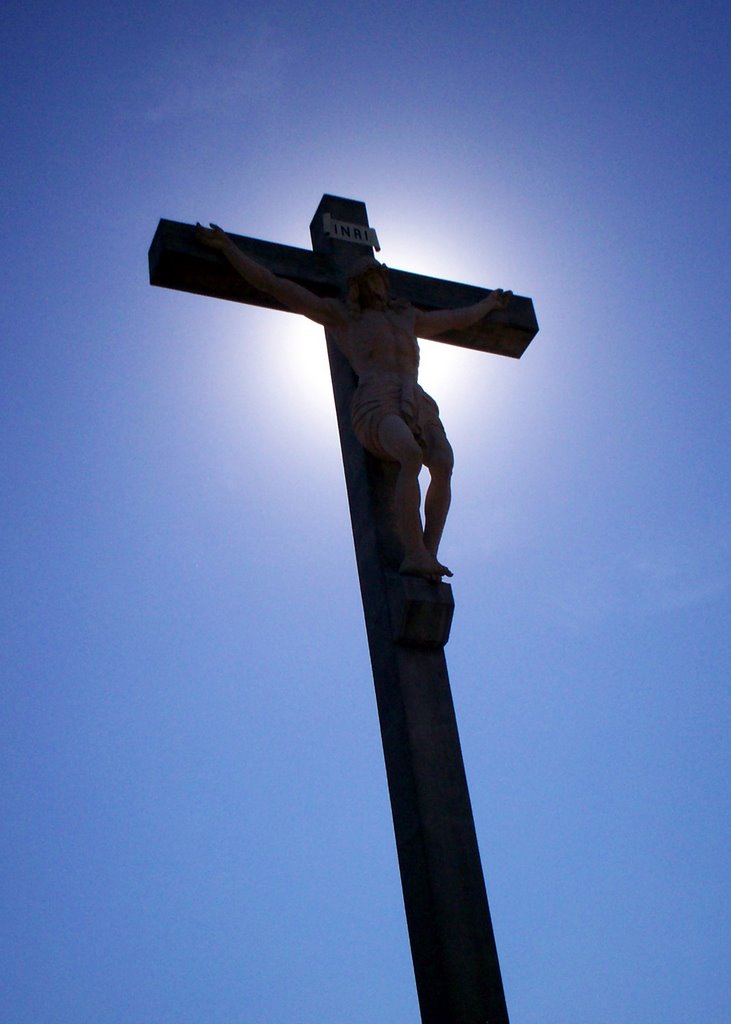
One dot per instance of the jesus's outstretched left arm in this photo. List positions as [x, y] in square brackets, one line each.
[436, 322]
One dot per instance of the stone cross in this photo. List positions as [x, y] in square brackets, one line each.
[407, 619]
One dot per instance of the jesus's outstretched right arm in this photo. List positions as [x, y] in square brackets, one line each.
[328, 312]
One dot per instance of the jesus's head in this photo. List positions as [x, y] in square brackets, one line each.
[368, 284]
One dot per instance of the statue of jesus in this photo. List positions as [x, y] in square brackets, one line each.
[393, 417]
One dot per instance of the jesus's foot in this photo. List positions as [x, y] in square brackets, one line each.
[425, 565]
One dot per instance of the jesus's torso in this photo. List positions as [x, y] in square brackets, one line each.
[380, 340]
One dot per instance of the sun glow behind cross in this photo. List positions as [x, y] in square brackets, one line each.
[304, 351]
[291, 362]
[295, 367]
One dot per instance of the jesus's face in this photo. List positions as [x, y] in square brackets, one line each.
[373, 288]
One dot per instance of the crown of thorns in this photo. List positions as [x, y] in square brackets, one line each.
[365, 265]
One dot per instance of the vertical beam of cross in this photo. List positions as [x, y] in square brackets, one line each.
[452, 942]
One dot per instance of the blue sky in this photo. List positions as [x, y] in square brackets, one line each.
[197, 824]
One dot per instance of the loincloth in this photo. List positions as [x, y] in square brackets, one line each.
[382, 394]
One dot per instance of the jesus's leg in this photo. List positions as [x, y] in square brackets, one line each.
[439, 460]
[396, 438]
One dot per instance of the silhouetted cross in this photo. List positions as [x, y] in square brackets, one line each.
[407, 619]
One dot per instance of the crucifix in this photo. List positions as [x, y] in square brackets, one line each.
[388, 428]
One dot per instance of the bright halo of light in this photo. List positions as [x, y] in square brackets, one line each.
[290, 361]
[278, 366]
[296, 369]
[305, 373]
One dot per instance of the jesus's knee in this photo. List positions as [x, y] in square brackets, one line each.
[440, 460]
